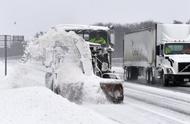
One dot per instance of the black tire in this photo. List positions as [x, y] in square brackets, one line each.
[133, 73]
[129, 74]
[149, 76]
[164, 81]
[126, 74]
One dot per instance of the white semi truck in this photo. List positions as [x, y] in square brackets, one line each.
[159, 53]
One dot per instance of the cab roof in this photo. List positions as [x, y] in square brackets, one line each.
[79, 27]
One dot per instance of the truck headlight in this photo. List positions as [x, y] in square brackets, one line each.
[169, 71]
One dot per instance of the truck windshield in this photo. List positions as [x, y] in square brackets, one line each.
[94, 36]
[99, 37]
[177, 48]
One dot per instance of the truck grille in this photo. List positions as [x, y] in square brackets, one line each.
[184, 67]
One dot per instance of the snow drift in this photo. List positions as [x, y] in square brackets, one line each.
[38, 105]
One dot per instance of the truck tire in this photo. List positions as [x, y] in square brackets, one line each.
[149, 76]
[127, 74]
[164, 81]
[134, 73]
[131, 73]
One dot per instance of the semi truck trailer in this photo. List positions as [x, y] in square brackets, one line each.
[160, 53]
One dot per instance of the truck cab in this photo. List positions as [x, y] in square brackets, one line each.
[159, 53]
[100, 40]
[174, 59]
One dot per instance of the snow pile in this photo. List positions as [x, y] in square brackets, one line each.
[69, 56]
[23, 75]
[38, 105]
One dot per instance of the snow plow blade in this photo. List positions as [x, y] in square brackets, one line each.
[113, 91]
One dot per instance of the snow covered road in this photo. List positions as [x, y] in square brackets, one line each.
[143, 105]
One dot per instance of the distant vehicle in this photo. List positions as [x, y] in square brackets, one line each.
[100, 40]
[160, 53]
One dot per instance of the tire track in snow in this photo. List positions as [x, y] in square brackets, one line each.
[172, 103]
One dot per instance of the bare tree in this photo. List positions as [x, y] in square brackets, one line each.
[188, 22]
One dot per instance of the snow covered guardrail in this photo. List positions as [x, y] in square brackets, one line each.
[175, 101]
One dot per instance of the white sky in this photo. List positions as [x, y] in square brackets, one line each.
[32, 16]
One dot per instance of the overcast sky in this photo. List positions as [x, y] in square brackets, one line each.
[30, 16]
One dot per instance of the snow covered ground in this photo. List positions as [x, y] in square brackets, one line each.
[137, 112]
[22, 75]
[39, 105]
[148, 105]
[25, 99]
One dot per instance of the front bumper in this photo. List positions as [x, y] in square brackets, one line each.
[178, 78]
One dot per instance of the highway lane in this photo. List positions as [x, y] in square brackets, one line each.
[147, 105]
[185, 88]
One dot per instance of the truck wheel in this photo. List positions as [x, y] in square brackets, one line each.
[149, 76]
[164, 81]
[127, 74]
[134, 73]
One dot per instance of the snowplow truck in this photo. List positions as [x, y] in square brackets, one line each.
[160, 53]
[100, 41]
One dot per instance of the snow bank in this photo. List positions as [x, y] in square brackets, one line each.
[23, 75]
[38, 105]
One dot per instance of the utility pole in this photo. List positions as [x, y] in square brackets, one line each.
[5, 46]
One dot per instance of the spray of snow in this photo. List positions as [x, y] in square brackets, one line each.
[38, 104]
[69, 56]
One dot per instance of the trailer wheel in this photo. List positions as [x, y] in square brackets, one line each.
[126, 75]
[134, 73]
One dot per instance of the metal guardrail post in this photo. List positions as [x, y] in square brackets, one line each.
[5, 45]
